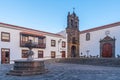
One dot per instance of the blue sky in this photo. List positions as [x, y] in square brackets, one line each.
[51, 15]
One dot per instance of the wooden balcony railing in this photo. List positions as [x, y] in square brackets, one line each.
[36, 45]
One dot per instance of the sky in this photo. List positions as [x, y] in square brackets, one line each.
[51, 15]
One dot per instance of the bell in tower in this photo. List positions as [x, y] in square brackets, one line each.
[72, 21]
[72, 35]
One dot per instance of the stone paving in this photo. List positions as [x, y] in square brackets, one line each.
[61, 71]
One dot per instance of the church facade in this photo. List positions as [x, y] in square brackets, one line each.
[97, 42]
[101, 41]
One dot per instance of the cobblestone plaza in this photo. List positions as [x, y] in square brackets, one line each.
[61, 71]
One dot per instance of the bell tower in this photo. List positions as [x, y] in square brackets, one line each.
[72, 35]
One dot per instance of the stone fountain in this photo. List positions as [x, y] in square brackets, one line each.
[28, 66]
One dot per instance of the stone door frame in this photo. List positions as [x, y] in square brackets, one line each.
[109, 40]
[73, 51]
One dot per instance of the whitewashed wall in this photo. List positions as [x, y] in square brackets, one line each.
[93, 45]
[57, 48]
[48, 49]
[15, 49]
[13, 45]
[35, 50]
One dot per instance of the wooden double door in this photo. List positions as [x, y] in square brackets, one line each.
[63, 54]
[107, 50]
[5, 56]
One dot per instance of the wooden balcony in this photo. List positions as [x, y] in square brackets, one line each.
[35, 45]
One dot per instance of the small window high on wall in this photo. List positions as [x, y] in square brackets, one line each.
[87, 36]
[5, 36]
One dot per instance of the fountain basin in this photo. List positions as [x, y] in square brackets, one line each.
[25, 67]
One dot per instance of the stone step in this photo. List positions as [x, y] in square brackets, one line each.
[26, 72]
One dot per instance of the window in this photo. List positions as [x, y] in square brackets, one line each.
[63, 44]
[24, 53]
[73, 40]
[36, 40]
[32, 38]
[53, 43]
[40, 41]
[5, 56]
[5, 36]
[76, 24]
[24, 38]
[40, 54]
[87, 36]
[53, 55]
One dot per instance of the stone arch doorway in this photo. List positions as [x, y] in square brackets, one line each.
[107, 47]
[107, 50]
[73, 51]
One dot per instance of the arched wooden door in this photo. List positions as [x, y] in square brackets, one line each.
[107, 50]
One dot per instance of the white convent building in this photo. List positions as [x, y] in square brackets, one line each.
[103, 41]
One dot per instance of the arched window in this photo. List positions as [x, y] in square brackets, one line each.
[87, 36]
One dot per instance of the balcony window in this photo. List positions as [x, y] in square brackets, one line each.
[24, 39]
[39, 42]
[32, 38]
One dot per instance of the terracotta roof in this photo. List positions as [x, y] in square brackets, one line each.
[33, 34]
[28, 30]
[101, 27]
